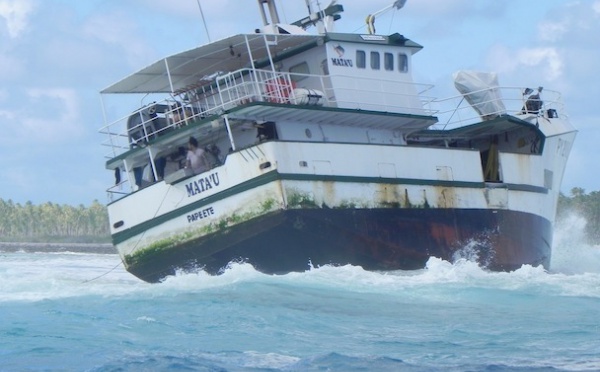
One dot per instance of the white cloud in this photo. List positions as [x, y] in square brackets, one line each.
[548, 58]
[501, 59]
[116, 29]
[545, 59]
[7, 116]
[59, 120]
[596, 7]
[553, 31]
[15, 12]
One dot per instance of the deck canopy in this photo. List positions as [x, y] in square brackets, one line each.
[235, 52]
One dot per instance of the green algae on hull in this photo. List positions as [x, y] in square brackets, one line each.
[186, 237]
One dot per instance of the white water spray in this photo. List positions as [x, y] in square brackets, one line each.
[571, 254]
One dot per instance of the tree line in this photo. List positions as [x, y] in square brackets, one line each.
[51, 222]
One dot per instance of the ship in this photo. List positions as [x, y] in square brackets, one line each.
[319, 149]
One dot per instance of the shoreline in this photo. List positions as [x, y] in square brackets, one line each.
[103, 248]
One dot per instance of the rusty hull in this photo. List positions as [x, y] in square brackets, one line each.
[376, 239]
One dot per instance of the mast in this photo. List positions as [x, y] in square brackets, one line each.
[273, 15]
[322, 19]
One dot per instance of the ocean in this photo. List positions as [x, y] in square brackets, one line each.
[72, 311]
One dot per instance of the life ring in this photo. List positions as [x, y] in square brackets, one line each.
[279, 90]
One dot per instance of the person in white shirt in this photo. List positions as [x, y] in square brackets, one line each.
[196, 159]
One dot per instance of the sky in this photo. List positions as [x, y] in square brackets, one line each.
[56, 55]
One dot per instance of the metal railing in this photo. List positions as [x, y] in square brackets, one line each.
[227, 91]
[457, 111]
[243, 86]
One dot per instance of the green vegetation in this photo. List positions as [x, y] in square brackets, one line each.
[300, 200]
[584, 205]
[144, 254]
[50, 223]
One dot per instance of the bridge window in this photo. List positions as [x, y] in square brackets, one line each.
[361, 59]
[375, 63]
[388, 61]
[402, 62]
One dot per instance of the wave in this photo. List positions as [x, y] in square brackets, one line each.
[450, 316]
[571, 254]
[88, 275]
[575, 271]
[23, 247]
[255, 361]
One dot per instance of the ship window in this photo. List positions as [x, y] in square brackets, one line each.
[299, 71]
[375, 63]
[388, 61]
[361, 59]
[402, 62]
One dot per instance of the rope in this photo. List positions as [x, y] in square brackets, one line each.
[100, 276]
[136, 244]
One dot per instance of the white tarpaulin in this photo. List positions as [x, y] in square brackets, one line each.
[480, 89]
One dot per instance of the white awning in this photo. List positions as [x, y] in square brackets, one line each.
[189, 67]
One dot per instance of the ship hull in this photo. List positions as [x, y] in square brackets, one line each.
[375, 239]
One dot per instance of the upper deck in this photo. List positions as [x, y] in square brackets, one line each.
[356, 88]
[329, 71]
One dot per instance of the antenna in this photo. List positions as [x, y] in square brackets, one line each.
[203, 20]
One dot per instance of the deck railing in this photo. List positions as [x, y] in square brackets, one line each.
[457, 111]
[243, 86]
[204, 99]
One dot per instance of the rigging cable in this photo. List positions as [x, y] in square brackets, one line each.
[204, 20]
[100, 276]
[136, 244]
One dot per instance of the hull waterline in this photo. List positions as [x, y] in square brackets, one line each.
[375, 239]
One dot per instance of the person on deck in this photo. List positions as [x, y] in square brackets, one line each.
[196, 159]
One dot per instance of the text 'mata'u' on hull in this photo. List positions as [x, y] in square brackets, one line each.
[321, 149]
